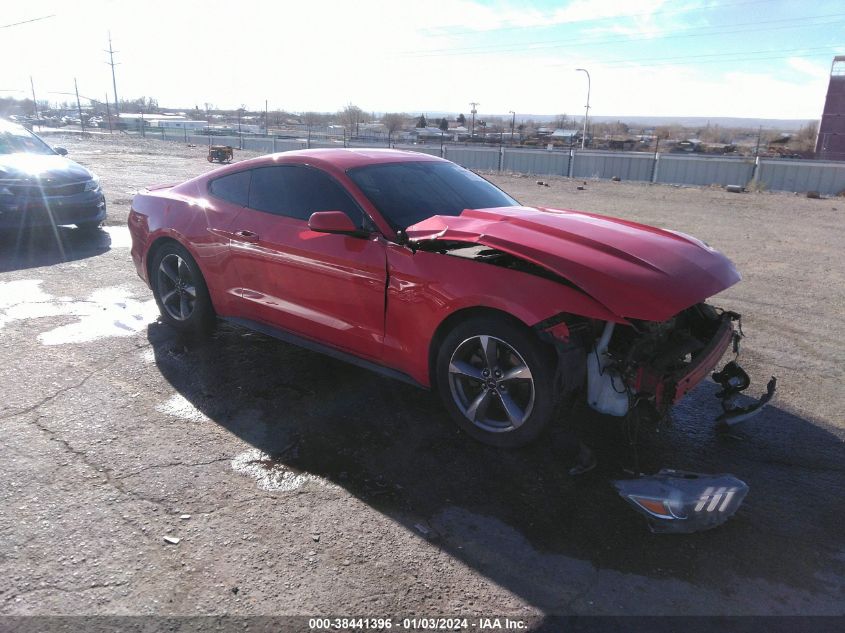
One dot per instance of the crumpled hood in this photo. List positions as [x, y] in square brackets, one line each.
[49, 169]
[636, 271]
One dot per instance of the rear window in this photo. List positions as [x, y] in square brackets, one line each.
[232, 188]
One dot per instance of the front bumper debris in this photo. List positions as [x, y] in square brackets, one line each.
[734, 381]
[678, 502]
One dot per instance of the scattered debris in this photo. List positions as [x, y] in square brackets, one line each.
[185, 517]
[316, 537]
[679, 502]
[419, 527]
[540, 182]
[734, 188]
[172, 540]
[814, 195]
[616, 179]
[235, 590]
[580, 188]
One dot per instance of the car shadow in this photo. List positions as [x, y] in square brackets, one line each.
[33, 248]
[517, 516]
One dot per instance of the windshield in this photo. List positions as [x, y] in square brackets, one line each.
[14, 141]
[408, 193]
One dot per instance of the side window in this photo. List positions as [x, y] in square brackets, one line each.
[233, 188]
[297, 192]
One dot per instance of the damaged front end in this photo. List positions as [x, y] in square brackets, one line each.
[650, 366]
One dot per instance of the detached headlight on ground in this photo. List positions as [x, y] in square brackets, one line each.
[675, 501]
[93, 184]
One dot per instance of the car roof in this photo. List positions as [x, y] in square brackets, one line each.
[340, 158]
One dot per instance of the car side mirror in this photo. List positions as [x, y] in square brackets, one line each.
[332, 222]
[61, 151]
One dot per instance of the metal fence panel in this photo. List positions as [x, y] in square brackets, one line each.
[797, 175]
[473, 158]
[828, 178]
[624, 165]
[257, 144]
[539, 162]
[286, 145]
[695, 170]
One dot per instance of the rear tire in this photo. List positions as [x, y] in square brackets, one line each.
[496, 379]
[180, 291]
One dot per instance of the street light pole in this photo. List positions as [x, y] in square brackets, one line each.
[587, 111]
[513, 124]
[474, 105]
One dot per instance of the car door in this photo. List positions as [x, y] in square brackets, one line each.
[327, 287]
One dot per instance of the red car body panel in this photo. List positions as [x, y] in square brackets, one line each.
[382, 301]
[637, 271]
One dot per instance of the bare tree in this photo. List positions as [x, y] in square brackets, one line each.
[393, 122]
[351, 117]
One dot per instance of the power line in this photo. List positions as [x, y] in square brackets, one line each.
[729, 54]
[569, 43]
[550, 17]
[43, 17]
[670, 61]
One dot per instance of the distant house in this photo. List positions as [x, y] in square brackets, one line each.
[621, 143]
[567, 136]
[429, 133]
[688, 145]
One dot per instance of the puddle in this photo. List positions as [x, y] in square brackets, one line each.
[119, 235]
[178, 406]
[269, 474]
[107, 312]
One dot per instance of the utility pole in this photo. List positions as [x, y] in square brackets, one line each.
[34, 102]
[108, 113]
[113, 80]
[759, 133]
[78, 106]
[474, 104]
[266, 119]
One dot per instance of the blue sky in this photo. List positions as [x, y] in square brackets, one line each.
[752, 58]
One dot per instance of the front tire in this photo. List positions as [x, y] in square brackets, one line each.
[496, 379]
[180, 291]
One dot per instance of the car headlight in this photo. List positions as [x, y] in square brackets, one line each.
[93, 184]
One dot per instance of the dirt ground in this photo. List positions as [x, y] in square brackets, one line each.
[299, 485]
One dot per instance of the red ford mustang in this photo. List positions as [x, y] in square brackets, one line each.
[415, 267]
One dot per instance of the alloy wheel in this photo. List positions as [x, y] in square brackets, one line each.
[176, 286]
[491, 384]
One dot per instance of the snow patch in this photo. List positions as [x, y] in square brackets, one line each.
[119, 236]
[180, 407]
[269, 474]
[107, 312]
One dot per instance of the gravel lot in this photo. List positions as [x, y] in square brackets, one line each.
[300, 485]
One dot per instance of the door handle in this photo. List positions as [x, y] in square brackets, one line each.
[246, 236]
